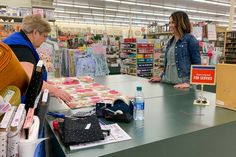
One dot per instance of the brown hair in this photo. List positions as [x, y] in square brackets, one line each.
[182, 22]
[35, 22]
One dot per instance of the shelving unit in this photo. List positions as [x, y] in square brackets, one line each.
[157, 35]
[9, 18]
[128, 56]
[112, 53]
[137, 58]
[145, 59]
[230, 47]
[160, 42]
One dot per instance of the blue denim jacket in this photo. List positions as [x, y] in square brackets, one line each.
[186, 53]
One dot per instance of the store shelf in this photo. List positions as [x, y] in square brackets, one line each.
[140, 64]
[230, 47]
[9, 18]
[16, 19]
[159, 33]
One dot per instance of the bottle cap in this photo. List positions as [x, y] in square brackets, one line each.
[138, 88]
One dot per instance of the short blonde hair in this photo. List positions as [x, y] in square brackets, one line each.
[35, 22]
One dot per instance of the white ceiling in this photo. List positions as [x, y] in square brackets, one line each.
[138, 12]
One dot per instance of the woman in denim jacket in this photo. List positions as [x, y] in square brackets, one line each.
[182, 50]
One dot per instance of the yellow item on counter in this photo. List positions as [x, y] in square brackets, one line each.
[12, 95]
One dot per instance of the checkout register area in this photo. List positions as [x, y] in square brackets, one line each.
[173, 125]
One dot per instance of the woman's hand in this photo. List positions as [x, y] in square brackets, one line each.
[61, 94]
[154, 79]
[56, 92]
[182, 85]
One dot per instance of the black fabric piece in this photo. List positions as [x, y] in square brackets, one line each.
[35, 86]
[80, 130]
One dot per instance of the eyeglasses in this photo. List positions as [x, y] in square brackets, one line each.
[45, 35]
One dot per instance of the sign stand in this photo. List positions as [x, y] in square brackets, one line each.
[201, 100]
[202, 74]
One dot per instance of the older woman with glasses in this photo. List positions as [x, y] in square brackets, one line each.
[34, 31]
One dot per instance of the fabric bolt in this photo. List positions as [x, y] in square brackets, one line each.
[46, 53]
[101, 65]
[9, 64]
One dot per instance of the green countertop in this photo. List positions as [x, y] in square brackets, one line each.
[127, 84]
[171, 121]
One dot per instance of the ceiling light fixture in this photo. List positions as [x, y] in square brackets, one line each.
[174, 8]
[213, 2]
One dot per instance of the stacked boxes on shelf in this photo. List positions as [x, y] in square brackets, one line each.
[128, 56]
[137, 57]
[230, 47]
[145, 52]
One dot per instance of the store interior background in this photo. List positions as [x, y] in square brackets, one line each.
[117, 20]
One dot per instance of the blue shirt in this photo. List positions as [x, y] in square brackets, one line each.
[186, 53]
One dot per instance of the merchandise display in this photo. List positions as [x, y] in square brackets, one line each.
[85, 103]
[230, 54]
[137, 55]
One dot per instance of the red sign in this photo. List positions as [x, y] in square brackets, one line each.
[63, 38]
[202, 74]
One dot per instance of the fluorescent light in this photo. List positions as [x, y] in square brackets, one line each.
[140, 18]
[126, 2]
[70, 5]
[212, 2]
[113, 16]
[175, 8]
[142, 12]
[139, 12]
[89, 22]
[117, 1]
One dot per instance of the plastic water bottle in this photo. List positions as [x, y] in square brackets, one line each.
[139, 104]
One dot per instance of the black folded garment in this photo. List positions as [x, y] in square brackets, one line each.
[81, 129]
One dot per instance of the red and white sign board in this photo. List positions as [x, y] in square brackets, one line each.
[203, 74]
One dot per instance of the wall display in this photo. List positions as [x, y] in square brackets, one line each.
[211, 32]
[137, 55]
[230, 47]
[197, 32]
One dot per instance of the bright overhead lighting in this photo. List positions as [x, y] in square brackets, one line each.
[70, 5]
[126, 2]
[117, 1]
[96, 22]
[212, 2]
[113, 16]
[97, 19]
[175, 8]
[142, 12]
[139, 18]
[136, 12]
